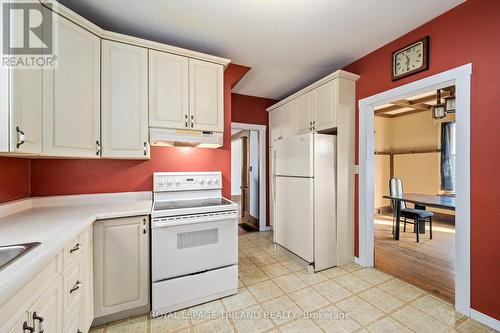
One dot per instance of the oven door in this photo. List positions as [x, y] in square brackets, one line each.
[183, 245]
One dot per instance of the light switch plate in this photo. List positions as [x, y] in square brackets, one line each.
[356, 169]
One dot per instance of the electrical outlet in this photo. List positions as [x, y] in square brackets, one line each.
[356, 169]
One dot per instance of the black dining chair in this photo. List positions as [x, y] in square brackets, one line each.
[416, 215]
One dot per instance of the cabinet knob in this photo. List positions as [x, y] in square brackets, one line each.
[75, 248]
[145, 149]
[40, 322]
[192, 121]
[20, 137]
[98, 148]
[27, 328]
[186, 120]
[75, 287]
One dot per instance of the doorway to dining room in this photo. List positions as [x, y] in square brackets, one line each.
[459, 78]
[415, 153]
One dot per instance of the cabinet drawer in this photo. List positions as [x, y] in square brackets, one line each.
[73, 322]
[72, 251]
[73, 288]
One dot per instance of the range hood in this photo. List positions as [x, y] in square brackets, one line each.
[185, 138]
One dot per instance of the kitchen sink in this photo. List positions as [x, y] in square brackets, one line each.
[10, 253]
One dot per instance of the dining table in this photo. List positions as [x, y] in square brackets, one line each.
[421, 201]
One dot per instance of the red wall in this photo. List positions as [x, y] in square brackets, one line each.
[14, 178]
[469, 33]
[71, 176]
[252, 110]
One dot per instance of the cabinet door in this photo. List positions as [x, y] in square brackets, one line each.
[124, 101]
[304, 109]
[206, 96]
[289, 119]
[25, 100]
[168, 90]
[121, 265]
[275, 124]
[88, 278]
[71, 94]
[48, 308]
[325, 106]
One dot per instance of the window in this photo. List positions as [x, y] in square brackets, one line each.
[448, 157]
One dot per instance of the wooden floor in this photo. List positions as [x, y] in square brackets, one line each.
[428, 265]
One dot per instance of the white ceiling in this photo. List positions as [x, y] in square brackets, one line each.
[288, 43]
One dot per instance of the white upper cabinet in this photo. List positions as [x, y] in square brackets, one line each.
[26, 111]
[325, 106]
[289, 119]
[304, 116]
[168, 90]
[124, 101]
[206, 96]
[71, 94]
[275, 125]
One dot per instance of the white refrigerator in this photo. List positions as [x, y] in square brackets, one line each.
[305, 207]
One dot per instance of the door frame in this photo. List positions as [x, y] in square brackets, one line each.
[262, 129]
[461, 78]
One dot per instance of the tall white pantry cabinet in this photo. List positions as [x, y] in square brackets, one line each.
[326, 106]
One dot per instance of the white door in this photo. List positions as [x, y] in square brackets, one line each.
[294, 156]
[294, 222]
[121, 265]
[124, 99]
[206, 96]
[26, 111]
[48, 308]
[25, 100]
[304, 109]
[71, 94]
[168, 90]
[289, 119]
[199, 245]
[325, 106]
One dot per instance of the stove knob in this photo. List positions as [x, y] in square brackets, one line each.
[209, 181]
[202, 181]
[161, 182]
[215, 181]
[170, 182]
[178, 181]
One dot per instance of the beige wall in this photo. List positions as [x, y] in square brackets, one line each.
[420, 173]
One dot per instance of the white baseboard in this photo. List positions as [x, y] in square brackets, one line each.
[356, 260]
[485, 319]
[266, 228]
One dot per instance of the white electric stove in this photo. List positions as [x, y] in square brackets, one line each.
[194, 241]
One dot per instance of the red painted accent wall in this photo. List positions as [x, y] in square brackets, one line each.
[252, 110]
[14, 178]
[73, 176]
[469, 33]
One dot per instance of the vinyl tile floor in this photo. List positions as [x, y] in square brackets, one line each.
[277, 294]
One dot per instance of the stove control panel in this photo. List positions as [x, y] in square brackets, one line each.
[182, 181]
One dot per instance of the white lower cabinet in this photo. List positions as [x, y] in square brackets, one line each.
[121, 267]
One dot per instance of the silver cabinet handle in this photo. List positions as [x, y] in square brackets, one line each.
[75, 287]
[75, 248]
[40, 322]
[20, 137]
[28, 328]
[144, 226]
[192, 121]
[98, 148]
[145, 149]
[186, 120]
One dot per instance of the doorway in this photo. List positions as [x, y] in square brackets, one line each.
[415, 146]
[460, 78]
[248, 175]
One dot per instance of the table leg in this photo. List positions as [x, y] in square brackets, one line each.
[398, 218]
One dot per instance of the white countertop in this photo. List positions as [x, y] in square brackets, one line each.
[53, 222]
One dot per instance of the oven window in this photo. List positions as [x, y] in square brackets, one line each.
[190, 239]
